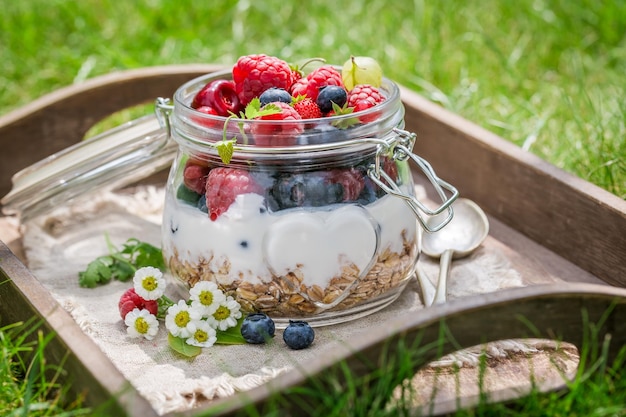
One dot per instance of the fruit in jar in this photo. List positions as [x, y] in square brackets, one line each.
[224, 185]
[274, 94]
[218, 95]
[278, 134]
[320, 77]
[331, 94]
[361, 70]
[303, 190]
[298, 335]
[306, 108]
[253, 74]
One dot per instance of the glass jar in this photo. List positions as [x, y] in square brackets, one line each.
[311, 219]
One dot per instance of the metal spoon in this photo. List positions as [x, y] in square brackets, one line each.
[464, 234]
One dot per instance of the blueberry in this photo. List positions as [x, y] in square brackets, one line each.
[303, 190]
[323, 133]
[298, 335]
[202, 204]
[331, 94]
[273, 94]
[257, 328]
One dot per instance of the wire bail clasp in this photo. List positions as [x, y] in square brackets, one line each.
[400, 146]
[163, 110]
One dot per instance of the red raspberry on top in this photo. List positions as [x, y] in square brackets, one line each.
[254, 74]
[364, 92]
[321, 77]
[363, 97]
[224, 185]
[278, 134]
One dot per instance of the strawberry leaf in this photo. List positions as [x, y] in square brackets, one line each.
[341, 111]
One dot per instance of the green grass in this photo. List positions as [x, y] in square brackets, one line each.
[547, 75]
[29, 386]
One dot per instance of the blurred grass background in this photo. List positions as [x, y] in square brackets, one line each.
[547, 75]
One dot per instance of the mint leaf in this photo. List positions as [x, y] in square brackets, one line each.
[225, 149]
[121, 264]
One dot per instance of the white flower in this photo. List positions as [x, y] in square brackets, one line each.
[141, 323]
[149, 283]
[179, 319]
[202, 335]
[226, 314]
[206, 297]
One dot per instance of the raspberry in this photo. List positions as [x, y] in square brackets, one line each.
[321, 77]
[253, 74]
[278, 134]
[307, 108]
[298, 88]
[194, 177]
[224, 185]
[364, 92]
[363, 97]
[351, 180]
[130, 301]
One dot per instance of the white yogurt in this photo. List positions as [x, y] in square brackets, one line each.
[258, 244]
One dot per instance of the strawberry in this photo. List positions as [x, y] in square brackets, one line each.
[253, 74]
[306, 108]
[281, 133]
[130, 301]
[224, 185]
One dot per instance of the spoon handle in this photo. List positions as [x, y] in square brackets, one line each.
[427, 287]
[444, 271]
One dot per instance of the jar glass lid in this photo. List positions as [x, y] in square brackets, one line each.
[113, 159]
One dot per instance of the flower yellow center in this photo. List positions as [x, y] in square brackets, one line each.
[206, 298]
[222, 313]
[182, 318]
[201, 336]
[141, 325]
[149, 283]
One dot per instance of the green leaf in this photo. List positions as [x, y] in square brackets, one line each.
[231, 336]
[122, 270]
[121, 264]
[180, 345]
[225, 149]
[98, 272]
[148, 255]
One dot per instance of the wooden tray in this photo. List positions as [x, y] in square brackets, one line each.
[549, 222]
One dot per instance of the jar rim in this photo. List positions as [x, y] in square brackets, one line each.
[199, 130]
